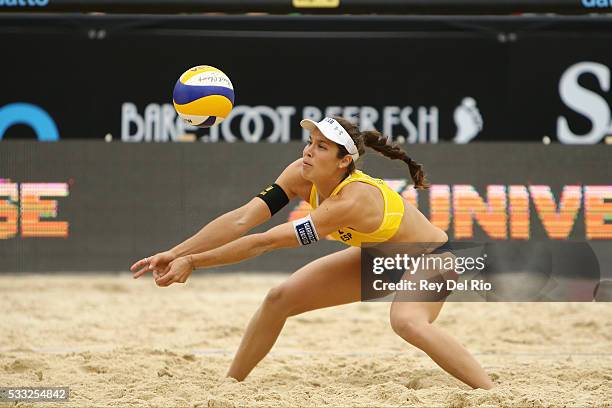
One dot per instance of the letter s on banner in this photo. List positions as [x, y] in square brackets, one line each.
[585, 102]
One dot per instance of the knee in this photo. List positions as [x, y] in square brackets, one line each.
[411, 329]
[277, 301]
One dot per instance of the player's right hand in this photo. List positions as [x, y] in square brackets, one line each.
[158, 264]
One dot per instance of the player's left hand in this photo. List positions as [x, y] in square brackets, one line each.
[180, 270]
[158, 264]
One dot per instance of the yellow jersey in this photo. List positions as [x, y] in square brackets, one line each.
[394, 211]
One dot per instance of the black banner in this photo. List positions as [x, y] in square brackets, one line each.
[92, 206]
[311, 6]
[419, 80]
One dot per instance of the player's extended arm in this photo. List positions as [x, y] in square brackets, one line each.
[228, 226]
[225, 228]
[332, 214]
[238, 222]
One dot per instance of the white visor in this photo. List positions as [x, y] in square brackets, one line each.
[334, 131]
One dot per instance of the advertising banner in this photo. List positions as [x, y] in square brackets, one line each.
[418, 80]
[94, 206]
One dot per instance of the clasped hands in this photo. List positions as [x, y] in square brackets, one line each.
[166, 268]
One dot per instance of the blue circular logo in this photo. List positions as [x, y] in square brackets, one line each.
[29, 115]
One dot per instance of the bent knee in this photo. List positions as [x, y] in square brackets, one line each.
[410, 328]
[278, 300]
[274, 296]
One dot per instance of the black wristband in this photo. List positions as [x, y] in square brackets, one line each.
[275, 197]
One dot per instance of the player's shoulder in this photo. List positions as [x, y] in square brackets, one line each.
[357, 191]
[293, 171]
[292, 180]
[296, 165]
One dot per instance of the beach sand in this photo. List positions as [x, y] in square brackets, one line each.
[116, 341]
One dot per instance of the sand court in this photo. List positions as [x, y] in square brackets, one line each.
[116, 341]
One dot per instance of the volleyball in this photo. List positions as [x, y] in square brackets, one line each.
[203, 96]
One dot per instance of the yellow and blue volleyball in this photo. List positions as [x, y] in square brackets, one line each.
[203, 96]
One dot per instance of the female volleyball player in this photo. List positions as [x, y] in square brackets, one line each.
[348, 205]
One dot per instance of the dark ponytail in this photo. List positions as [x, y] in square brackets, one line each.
[392, 150]
[377, 141]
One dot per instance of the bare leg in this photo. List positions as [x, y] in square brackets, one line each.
[261, 334]
[412, 321]
[329, 281]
